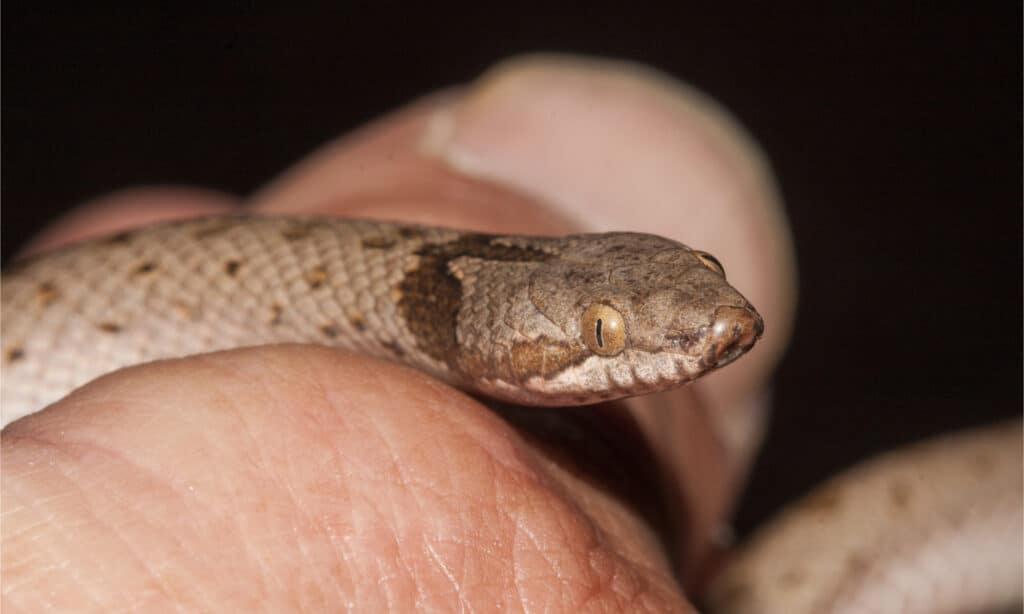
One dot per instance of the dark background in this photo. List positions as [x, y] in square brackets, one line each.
[895, 130]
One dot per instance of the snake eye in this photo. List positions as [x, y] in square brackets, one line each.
[710, 261]
[604, 330]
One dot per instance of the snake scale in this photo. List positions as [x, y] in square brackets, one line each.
[530, 320]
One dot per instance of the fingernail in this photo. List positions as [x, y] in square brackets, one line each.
[588, 135]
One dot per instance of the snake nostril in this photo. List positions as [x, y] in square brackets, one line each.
[733, 332]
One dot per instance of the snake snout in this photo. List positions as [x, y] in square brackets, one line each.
[733, 331]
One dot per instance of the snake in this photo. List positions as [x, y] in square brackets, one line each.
[528, 320]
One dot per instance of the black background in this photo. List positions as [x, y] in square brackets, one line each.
[895, 130]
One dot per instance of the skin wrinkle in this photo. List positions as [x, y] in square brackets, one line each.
[39, 508]
[574, 511]
[429, 488]
[442, 414]
[456, 586]
[429, 539]
[338, 487]
[258, 469]
[103, 501]
[310, 563]
[258, 465]
[557, 568]
[394, 513]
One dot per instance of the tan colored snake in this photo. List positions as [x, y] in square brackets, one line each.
[531, 320]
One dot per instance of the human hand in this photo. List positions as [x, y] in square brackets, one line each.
[295, 477]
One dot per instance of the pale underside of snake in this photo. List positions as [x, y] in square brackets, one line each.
[529, 320]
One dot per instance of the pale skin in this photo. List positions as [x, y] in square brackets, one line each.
[293, 477]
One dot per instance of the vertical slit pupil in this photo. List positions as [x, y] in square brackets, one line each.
[597, 333]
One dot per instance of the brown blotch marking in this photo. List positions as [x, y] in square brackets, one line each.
[316, 277]
[410, 232]
[544, 357]
[275, 314]
[792, 578]
[331, 331]
[856, 563]
[824, 501]
[430, 295]
[357, 320]
[14, 354]
[109, 327]
[394, 348]
[379, 242]
[47, 293]
[981, 464]
[186, 311]
[145, 267]
[231, 267]
[899, 494]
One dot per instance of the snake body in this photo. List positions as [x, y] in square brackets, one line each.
[531, 320]
[933, 528]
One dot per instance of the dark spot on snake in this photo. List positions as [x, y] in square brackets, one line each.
[316, 277]
[792, 578]
[378, 242]
[121, 238]
[145, 267]
[15, 354]
[394, 348]
[275, 314]
[430, 295]
[231, 267]
[410, 232]
[583, 277]
[856, 563]
[824, 501]
[899, 494]
[981, 464]
[47, 293]
[330, 330]
[357, 321]
[109, 327]
[186, 311]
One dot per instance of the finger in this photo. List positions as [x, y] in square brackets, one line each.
[304, 479]
[130, 208]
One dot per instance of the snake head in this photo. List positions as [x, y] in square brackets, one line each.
[622, 314]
